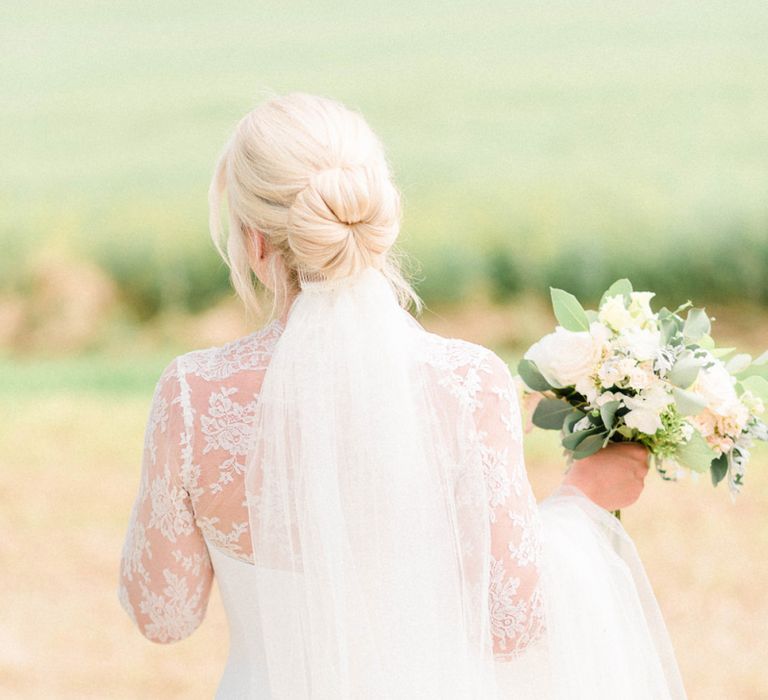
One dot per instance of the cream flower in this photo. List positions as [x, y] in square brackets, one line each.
[641, 377]
[641, 343]
[615, 371]
[568, 358]
[646, 409]
[640, 309]
[607, 397]
[716, 385]
[614, 313]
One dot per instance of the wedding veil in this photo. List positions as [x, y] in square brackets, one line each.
[372, 556]
[361, 583]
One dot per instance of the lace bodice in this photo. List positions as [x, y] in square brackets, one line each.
[191, 493]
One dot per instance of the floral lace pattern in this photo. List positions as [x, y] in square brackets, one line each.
[191, 493]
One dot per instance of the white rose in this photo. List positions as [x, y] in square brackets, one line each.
[641, 377]
[607, 397]
[643, 419]
[567, 358]
[614, 313]
[716, 385]
[586, 387]
[641, 343]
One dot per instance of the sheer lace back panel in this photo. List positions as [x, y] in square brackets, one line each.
[192, 493]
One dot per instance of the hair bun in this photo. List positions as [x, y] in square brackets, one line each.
[346, 192]
[344, 218]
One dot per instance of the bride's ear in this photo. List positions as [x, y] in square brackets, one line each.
[255, 244]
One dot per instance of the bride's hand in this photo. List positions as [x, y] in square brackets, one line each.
[612, 477]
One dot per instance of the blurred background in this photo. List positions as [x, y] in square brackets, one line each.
[557, 143]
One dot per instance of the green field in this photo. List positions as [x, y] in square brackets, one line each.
[535, 144]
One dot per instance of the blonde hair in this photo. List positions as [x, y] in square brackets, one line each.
[312, 177]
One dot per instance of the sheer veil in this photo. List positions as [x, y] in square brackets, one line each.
[362, 589]
[372, 557]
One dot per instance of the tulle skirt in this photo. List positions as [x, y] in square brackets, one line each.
[606, 637]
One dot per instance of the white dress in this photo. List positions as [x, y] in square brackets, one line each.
[190, 522]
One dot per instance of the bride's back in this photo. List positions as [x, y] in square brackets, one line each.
[213, 394]
[191, 514]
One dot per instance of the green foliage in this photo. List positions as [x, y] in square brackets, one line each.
[589, 445]
[573, 440]
[152, 277]
[685, 370]
[514, 181]
[688, 403]
[530, 374]
[757, 385]
[550, 413]
[621, 287]
[608, 413]
[696, 325]
[503, 273]
[718, 468]
[695, 454]
[664, 443]
[568, 311]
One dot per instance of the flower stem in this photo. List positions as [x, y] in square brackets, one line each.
[617, 513]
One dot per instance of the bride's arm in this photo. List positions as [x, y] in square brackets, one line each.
[514, 596]
[165, 572]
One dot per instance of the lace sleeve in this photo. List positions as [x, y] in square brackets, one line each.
[514, 596]
[165, 571]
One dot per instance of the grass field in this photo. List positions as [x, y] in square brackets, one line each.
[535, 144]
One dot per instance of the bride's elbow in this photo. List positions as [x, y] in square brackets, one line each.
[160, 624]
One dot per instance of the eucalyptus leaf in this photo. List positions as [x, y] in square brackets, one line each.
[707, 342]
[569, 312]
[531, 375]
[589, 445]
[695, 454]
[757, 385]
[696, 325]
[720, 352]
[572, 441]
[718, 468]
[738, 363]
[670, 327]
[685, 370]
[621, 287]
[572, 418]
[688, 403]
[761, 359]
[551, 413]
[608, 413]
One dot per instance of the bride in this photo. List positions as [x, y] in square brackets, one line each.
[356, 484]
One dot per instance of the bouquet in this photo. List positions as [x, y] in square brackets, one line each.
[628, 373]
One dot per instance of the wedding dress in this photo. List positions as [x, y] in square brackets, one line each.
[357, 486]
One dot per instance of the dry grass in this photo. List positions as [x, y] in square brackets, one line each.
[69, 474]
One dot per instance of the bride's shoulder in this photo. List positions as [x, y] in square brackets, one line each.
[248, 353]
[469, 358]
